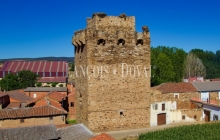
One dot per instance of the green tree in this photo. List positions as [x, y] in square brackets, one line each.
[23, 79]
[10, 82]
[72, 67]
[177, 58]
[163, 71]
[27, 78]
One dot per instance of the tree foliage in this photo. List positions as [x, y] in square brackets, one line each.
[194, 66]
[72, 67]
[23, 79]
[211, 62]
[167, 64]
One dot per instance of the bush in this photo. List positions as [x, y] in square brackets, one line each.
[71, 121]
[39, 84]
[48, 83]
[61, 85]
[53, 84]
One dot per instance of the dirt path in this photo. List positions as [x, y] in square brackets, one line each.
[135, 132]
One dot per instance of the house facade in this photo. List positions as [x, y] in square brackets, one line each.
[171, 104]
[36, 92]
[32, 116]
[209, 99]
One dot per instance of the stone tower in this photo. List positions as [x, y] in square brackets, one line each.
[112, 81]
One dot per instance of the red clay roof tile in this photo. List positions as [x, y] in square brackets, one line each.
[176, 87]
[102, 136]
[31, 112]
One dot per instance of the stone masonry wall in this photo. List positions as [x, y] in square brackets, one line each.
[114, 93]
[183, 102]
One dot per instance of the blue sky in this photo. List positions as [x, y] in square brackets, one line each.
[41, 28]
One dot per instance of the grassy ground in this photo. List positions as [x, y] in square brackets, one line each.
[207, 131]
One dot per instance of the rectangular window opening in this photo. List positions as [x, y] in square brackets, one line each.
[21, 120]
[183, 117]
[51, 118]
[163, 107]
[176, 96]
[72, 104]
[215, 117]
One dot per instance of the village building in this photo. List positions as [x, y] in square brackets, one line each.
[53, 98]
[48, 81]
[32, 116]
[171, 103]
[43, 132]
[75, 132]
[209, 100]
[42, 68]
[4, 100]
[36, 92]
[71, 101]
[17, 99]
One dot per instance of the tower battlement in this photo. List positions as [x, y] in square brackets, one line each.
[110, 30]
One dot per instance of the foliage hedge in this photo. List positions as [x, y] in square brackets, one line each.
[71, 121]
[208, 131]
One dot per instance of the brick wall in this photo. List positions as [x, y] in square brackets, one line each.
[40, 94]
[57, 120]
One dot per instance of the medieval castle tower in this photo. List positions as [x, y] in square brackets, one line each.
[112, 73]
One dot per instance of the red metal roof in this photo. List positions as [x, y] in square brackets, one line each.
[35, 66]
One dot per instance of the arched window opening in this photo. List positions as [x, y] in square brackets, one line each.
[75, 49]
[82, 48]
[101, 42]
[121, 41]
[78, 49]
[140, 41]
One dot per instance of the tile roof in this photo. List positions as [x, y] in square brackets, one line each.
[13, 105]
[75, 132]
[46, 101]
[30, 112]
[3, 94]
[176, 87]
[207, 86]
[56, 96]
[211, 103]
[46, 89]
[102, 136]
[44, 132]
[52, 79]
[215, 79]
[21, 97]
